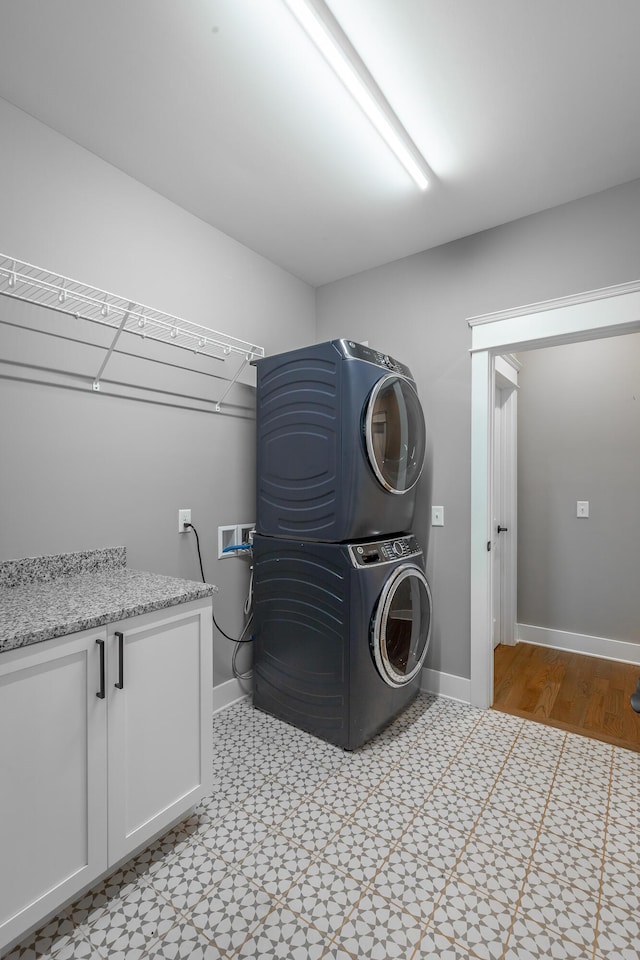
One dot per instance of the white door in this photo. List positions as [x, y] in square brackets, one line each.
[52, 777]
[160, 690]
[504, 502]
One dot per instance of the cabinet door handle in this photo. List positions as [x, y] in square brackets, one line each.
[100, 693]
[120, 683]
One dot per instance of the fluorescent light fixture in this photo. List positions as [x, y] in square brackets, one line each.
[332, 42]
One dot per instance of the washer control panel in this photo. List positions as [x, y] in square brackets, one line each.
[384, 551]
[360, 352]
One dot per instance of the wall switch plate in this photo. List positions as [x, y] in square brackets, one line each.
[582, 508]
[184, 516]
[437, 516]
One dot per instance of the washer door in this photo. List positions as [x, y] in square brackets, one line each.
[401, 625]
[395, 434]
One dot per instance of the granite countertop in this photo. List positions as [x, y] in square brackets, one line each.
[46, 597]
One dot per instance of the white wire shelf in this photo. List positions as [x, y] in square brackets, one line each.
[24, 281]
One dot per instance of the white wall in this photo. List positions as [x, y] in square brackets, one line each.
[80, 470]
[579, 439]
[416, 309]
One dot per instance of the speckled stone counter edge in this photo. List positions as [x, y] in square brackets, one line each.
[34, 611]
[14, 573]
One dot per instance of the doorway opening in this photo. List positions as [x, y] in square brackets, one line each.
[577, 439]
[607, 312]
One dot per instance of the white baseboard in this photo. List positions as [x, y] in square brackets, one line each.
[432, 681]
[445, 685]
[230, 692]
[620, 650]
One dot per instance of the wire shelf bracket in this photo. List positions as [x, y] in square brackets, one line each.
[24, 281]
[96, 382]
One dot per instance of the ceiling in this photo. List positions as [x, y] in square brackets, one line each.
[225, 108]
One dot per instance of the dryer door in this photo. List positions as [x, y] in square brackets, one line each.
[401, 625]
[395, 434]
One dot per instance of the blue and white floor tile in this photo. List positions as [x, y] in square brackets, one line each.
[504, 830]
[357, 852]
[433, 841]
[184, 942]
[379, 929]
[390, 817]
[530, 941]
[341, 794]
[473, 919]
[492, 869]
[230, 912]
[414, 884]
[621, 886]
[618, 933]
[275, 863]
[324, 896]
[568, 910]
[283, 934]
[311, 826]
[623, 844]
[578, 866]
[456, 834]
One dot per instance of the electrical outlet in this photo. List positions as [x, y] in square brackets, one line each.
[184, 516]
[582, 508]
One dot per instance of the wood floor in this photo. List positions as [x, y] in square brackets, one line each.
[581, 694]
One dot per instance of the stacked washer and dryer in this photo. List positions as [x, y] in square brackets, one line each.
[342, 607]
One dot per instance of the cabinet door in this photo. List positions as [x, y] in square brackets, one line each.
[159, 743]
[52, 777]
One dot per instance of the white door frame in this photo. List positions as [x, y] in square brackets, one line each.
[607, 312]
[505, 497]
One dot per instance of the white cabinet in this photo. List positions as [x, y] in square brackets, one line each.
[159, 743]
[84, 779]
[53, 777]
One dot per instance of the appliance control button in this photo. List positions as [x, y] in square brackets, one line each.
[397, 548]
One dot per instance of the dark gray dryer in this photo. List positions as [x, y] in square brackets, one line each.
[340, 633]
[340, 443]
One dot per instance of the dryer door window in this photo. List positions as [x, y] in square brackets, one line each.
[401, 626]
[395, 434]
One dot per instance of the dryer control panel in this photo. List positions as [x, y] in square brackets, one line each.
[359, 352]
[384, 551]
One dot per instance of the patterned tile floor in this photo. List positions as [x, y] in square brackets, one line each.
[456, 834]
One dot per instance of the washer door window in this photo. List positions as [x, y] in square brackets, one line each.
[395, 434]
[401, 626]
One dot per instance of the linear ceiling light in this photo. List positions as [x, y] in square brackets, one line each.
[343, 58]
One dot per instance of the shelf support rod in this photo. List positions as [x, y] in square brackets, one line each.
[127, 314]
[233, 381]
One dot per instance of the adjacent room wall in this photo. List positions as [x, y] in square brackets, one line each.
[416, 309]
[80, 470]
[579, 439]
